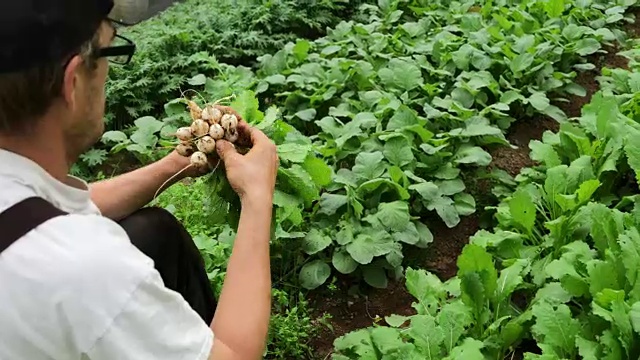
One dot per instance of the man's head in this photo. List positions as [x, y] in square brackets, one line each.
[54, 68]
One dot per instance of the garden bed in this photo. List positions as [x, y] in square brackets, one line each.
[350, 313]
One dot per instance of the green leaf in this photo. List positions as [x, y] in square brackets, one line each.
[554, 8]
[555, 327]
[247, 105]
[544, 153]
[369, 165]
[394, 320]
[114, 136]
[539, 101]
[330, 203]
[453, 319]
[586, 190]
[588, 350]
[319, 171]
[445, 207]
[197, 80]
[475, 259]
[314, 274]
[428, 191]
[451, 187]
[521, 62]
[522, 209]
[447, 172]
[425, 235]
[306, 115]
[408, 235]
[587, 46]
[401, 74]
[296, 153]
[343, 262]
[465, 204]
[634, 316]
[300, 181]
[148, 125]
[398, 151]
[315, 241]
[470, 349]
[472, 155]
[632, 149]
[403, 117]
[426, 336]
[394, 216]
[345, 235]
[365, 247]
[510, 278]
[375, 276]
[630, 256]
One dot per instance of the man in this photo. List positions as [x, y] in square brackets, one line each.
[85, 273]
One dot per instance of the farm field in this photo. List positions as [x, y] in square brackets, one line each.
[458, 180]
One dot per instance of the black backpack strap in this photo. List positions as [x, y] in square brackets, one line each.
[18, 220]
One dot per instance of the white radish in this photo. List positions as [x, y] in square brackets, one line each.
[231, 135]
[206, 113]
[216, 131]
[229, 121]
[207, 145]
[216, 116]
[199, 160]
[184, 134]
[185, 149]
[199, 128]
[211, 114]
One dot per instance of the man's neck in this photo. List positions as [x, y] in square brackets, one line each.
[46, 148]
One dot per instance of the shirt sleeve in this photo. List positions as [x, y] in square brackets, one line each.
[155, 323]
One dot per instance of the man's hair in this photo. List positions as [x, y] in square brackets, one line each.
[26, 95]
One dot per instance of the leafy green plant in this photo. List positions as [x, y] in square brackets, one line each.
[196, 36]
[383, 120]
[559, 268]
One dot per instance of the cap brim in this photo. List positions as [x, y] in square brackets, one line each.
[131, 12]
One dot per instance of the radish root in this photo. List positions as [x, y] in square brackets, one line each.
[171, 179]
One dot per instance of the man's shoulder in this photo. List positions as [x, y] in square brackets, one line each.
[82, 254]
[73, 269]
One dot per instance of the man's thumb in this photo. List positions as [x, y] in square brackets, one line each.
[226, 150]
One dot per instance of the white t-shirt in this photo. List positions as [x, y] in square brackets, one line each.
[76, 288]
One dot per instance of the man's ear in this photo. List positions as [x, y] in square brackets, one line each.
[71, 81]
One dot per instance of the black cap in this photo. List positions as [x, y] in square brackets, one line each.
[39, 31]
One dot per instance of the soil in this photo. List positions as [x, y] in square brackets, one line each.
[350, 313]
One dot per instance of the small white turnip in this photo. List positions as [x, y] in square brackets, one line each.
[199, 160]
[207, 145]
[184, 134]
[216, 131]
[199, 128]
[231, 135]
[229, 121]
[185, 149]
[216, 116]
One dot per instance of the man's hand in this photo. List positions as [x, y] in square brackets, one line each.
[252, 175]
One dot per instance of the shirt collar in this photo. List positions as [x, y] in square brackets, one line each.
[71, 196]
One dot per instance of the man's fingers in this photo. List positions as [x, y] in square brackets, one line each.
[225, 150]
[244, 134]
[258, 138]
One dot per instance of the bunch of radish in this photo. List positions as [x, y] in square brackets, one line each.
[209, 125]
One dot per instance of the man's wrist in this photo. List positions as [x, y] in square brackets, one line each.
[257, 199]
[172, 164]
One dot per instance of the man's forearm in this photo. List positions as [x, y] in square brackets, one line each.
[120, 196]
[241, 321]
